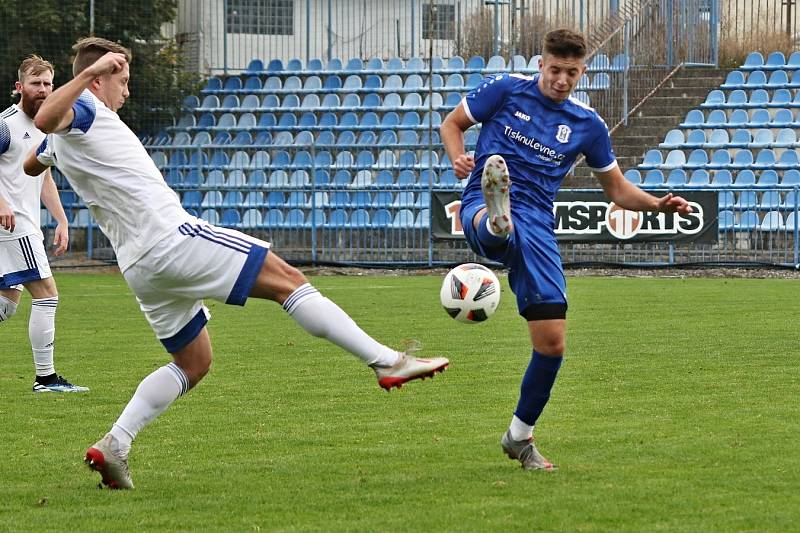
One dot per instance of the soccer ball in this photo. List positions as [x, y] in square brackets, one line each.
[470, 293]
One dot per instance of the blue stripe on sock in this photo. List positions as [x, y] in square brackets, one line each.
[180, 375]
[301, 293]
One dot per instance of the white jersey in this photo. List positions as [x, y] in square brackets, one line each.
[18, 135]
[110, 170]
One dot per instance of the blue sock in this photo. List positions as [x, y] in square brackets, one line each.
[536, 385]
[486, 238]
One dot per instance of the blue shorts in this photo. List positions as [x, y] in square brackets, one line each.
[533, 260]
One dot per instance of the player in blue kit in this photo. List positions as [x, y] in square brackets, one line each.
[532, 133]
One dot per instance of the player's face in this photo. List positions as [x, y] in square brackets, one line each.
[559, 76]
[34, 90]
[114, 88]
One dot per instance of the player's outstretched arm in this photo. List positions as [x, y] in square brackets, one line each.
[452, 132]
[627, 195]
[52, 202]
[56, 111]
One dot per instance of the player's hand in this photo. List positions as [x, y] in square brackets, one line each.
[110, 63]
[61, 239]
[674, 204]
[463, 166]
[7, 219]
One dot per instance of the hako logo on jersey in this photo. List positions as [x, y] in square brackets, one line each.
[523, 116]
[596, 218]
[621, 223]
[562, 135]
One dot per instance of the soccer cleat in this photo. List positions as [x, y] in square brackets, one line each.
[59, 385]
[525, 452]
[106, 458]
[409, 368]
[496, 186]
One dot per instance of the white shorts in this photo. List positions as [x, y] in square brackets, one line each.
[22, 260]
[198, 261]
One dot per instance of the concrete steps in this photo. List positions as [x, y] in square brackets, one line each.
[663, 111]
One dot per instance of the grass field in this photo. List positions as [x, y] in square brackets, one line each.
[676, 410]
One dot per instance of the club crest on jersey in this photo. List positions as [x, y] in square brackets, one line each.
[562, 135]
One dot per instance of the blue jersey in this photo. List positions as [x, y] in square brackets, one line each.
[538, 138]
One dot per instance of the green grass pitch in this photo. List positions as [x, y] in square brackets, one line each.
[676, 410]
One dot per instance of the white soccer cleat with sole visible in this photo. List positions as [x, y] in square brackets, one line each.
[409, 368]
[106, 458]
[496, 187]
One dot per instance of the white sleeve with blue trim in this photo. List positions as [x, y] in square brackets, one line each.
[85, 113]
[5, 137]
[599, 154]
[482, 102]
[44, 153]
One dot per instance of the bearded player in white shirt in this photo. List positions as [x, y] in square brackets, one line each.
[170, 259]
[23, 261]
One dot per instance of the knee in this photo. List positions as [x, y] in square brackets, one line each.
[197, 370]
[7, 308]
[294, 276]
[550, 346]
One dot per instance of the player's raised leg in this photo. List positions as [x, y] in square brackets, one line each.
[321, 317]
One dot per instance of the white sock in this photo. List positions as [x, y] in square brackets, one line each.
[152, 397]
[322, 318]
[520, 430]
[42, 332]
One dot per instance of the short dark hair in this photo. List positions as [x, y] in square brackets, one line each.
[90, 49]
[564, 42]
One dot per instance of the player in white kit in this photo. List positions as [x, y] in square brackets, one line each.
[23, 261]
[170, 259]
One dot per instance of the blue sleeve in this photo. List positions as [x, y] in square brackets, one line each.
[85, 112]
[5, 137]
[482, 102]
[599, 154]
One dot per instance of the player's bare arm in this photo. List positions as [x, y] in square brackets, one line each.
[629, 196]
[6, 215]
[32, 166]
[56, 112]
[452, 132]
[52, 202]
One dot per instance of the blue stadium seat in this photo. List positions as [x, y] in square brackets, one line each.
[394, 64]
[338, 219]
[746, 200]
[295, 218]
[734, 80]
[257, 178]
[772, 221]
[745, 178]
[653, 178]
[275, 65]
[273, 218]
[299, 179]
[676, 177]
[252, 218]
[332, 82]
[359, 218]
[699, 178]
[403, 219]
[362, 199]
[770, 200]
[233, 199]
[254, 199]
[715, 98]
[673, 139]
[211, 199]
[214, 179]
[791, 178]
[726, 199]
[278, 179]
[753, 61]
[726, 220]
[298, 199]
[211, 216]
[339, 199]
[722, 178]
[778, 79]
[383, 199]
[233, 83]
[495, 64]
[743, 159]
[341, 178]
[292, 83]
[697, 158]
[351, 101]
[236, 178]
[414, 64]
[747, 220]
[674, 159]
[362, 179]
[633, 176]
[476, 63]
[792, 200]
[694, 119]
[384, 179]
